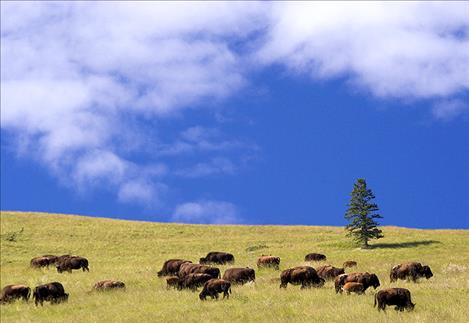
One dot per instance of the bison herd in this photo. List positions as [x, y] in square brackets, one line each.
[53, 292]
[183, 274]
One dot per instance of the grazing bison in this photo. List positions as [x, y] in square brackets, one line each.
[171, 267]
[349, 264]
[394, 296]
[108, 285]
[12, 292]
[216, 257]
[352, 287]
[72, 262]
[366, 279]
[328, 272]
[268, 262]
[193, 281]
[43, 261]
[239, 275]
[304, 275]
[410, 270]
[53, 292]
[215, 286]
[315, 257]
[189, 268]
[172, 282]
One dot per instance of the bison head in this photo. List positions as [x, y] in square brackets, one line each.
[374, 281]
[320, 282]
[203, 261]
[427, 272]
[59, 268]
[202, 295]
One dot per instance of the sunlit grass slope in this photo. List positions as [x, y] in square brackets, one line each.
[134, 251]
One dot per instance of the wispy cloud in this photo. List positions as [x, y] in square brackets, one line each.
[214, 212]
[215, 166]
[449, 109]
[201, 139]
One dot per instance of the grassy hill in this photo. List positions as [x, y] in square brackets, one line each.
[134, 251]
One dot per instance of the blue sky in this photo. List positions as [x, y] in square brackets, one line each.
[252, 113]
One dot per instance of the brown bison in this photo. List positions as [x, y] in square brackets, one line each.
[72, 262]
[193, 281]
[172, 282]
[394, 296]
[216, 257]
[366, 279]
[268, 262]
[12, 292]
[328, 272]
[304, 275]
[189, 268]
[349, 264]
[171, 267]
[215, 286]
[315, 257]
[108, 285]
[239, 275]
[53, 292]
[43, 261]
[352, 287]
[410, 270]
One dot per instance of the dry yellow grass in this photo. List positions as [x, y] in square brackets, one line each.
[134, 251]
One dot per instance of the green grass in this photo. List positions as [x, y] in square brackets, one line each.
[134, 251]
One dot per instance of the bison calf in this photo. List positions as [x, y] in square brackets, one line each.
[268, 262]
[349, 264]
[353, 288]
[215, 286]
[240, 275]
[394, 296]
[12, 292]
[104, 285]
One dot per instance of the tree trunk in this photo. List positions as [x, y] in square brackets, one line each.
[365, 244]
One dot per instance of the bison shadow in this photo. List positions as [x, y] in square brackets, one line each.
[408, 244]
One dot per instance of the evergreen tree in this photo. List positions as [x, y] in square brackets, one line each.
[361, 213]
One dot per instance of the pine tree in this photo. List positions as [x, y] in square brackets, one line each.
[361, 213]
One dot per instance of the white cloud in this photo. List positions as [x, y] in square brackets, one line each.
[449, 109]
[392, 49]
[214, 212]
[141, 192]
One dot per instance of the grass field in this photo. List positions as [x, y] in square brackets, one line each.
[134, 251]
